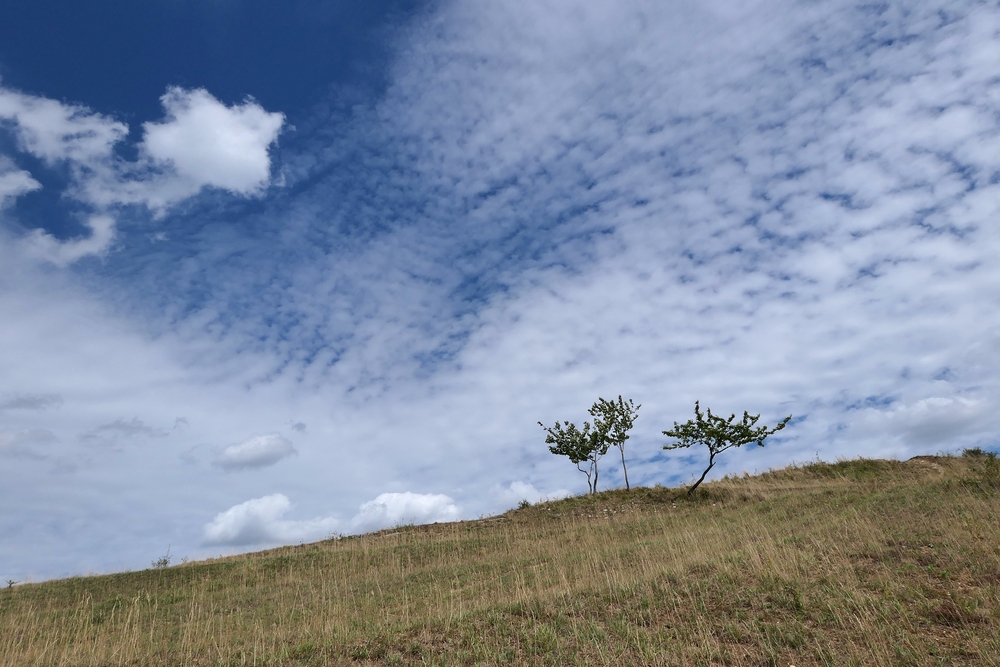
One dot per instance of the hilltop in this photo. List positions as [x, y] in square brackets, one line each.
[863, 562]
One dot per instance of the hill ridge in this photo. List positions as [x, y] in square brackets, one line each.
[867, 562]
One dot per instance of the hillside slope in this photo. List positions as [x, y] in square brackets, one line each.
[862, 562]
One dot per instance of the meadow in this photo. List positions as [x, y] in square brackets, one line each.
[862, 562]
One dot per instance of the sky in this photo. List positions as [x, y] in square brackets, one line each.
[272, 272]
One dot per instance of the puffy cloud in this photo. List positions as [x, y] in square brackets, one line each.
[208, 143]
[259, 521]
[258, 452]
[201, 143]
[394, 509]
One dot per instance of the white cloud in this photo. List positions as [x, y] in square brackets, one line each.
[515, 492]
[394, 509]
[259, 521]
[201, 143]
[57, 132]
[14, 182]
[208, 143]
[41, 245]
[257, 452]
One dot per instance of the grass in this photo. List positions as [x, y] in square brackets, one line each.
[863, 562]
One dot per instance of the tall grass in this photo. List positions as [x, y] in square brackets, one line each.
[856, 563]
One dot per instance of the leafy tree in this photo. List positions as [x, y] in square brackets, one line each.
[718, 434]
[583, 447]
[614, 419]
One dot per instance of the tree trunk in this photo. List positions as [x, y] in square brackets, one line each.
[711, 462]
[590, 487]
[624, 469]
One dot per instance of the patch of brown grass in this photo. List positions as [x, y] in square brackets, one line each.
[855, 563]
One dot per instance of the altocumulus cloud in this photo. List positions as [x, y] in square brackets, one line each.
[258, 452]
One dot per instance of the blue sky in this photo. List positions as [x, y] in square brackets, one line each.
[274, 271]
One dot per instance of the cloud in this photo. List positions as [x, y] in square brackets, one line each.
[42, 245]
[259, 521]
[24, 442]
[517, 491]
[394, 509]
[56, 132]
[257, 452]
[201, 143]
[935, 421]
[31, 402]
[209, 144]
[785, 210]
[14, 182]
[120, 429]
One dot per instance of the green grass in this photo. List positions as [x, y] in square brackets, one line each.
[862, 562]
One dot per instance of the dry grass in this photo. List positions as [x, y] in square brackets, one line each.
[859, 563]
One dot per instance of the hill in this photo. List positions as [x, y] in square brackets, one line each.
[864, 562]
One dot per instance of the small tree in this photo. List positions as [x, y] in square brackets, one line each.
[615, 419]
[583, 447]
[718, 434]
[162, 561]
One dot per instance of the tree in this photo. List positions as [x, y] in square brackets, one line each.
[614, 419]
[583, 447]
[718, 434]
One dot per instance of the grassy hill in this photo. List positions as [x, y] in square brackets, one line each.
[863, 562]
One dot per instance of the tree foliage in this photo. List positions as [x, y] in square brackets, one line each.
[583, 447]
[614, 419]
[719, 434]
